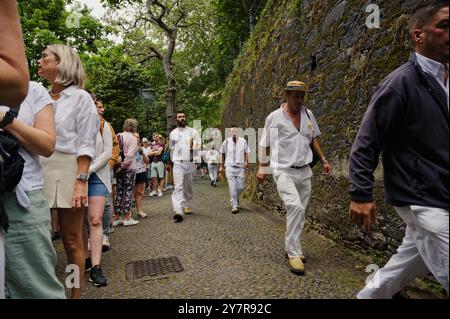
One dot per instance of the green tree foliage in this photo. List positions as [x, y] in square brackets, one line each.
[235, 20]
[44, 22]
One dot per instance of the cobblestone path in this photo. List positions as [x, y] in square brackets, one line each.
[223, 255]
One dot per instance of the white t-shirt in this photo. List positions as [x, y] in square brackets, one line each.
[180, 144]
[234, 152]
[77, 122]
[36, 100]
[288, 145]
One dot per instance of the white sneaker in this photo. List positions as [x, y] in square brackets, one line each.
[117, 222]
[106, 244]
[141, 214]
[152, 193]
[160, 194]
[235, 209]
[130, 222]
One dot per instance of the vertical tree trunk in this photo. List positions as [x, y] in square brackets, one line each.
[171, 83]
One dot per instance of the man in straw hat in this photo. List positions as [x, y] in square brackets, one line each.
[290, 135]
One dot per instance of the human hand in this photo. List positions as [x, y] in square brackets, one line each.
[363, 213]
[79, 196]
[260, 175]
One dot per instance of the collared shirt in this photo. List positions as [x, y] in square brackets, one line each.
[435, 69]
[289, 146]
[234, 152]
[77, 122]
[182, 142]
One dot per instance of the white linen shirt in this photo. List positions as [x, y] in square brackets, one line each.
[234, 152]
[288, 145]
[180, 144]
[435, 69]
[212, 157]
[32, 176]
[77, 122]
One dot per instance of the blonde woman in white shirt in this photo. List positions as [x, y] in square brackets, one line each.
[66, 171]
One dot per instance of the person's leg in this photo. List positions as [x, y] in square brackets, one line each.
[399, 271]
[240, 185]
[2, 264]
[188, 185]
[161, 174]
[54, 223]
[129, 184]
[118, 199]
[139, 191]
[95, 215]
[303, 185]
[432, 240]
[106, 215]
[178, 193]
[232, 188]
[71, 229]
[294, 211]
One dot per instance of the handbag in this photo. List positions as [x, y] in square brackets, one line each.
[315, 158]
[11, 168]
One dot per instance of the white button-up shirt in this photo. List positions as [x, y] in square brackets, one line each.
[288, 145]
[234, 152]
[77, 122]
[435, 69]
[180, 144]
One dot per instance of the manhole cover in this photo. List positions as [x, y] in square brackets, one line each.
[153, 267]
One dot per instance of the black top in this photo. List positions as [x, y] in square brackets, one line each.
[408, 121]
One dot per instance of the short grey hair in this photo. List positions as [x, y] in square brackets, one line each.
[70, 69]
[130, 125]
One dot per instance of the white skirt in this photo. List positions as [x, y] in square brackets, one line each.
[60, 173]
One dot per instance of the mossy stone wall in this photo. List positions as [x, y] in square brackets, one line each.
[351, 60]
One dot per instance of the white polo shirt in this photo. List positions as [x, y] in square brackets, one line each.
[288, 145]
[180, 139]
[234, 152]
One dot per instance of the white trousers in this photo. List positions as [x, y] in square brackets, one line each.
[2, 264]
[183, 178]
[212, 169]
[294, 188]
[424, 249]
[236, 183]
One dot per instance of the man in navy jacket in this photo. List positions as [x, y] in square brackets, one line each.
[408, 121]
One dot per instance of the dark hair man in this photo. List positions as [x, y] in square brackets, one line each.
[407, 120]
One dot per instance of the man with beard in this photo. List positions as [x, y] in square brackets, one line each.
[407, 120]
[185, 144]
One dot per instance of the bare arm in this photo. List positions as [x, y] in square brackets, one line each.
[14, 75]
[39, 139]
[262, 169]
[318, 150]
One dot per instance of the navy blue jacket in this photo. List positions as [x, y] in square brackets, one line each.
[408, 121]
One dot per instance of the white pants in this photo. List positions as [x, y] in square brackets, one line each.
[2, 265]
[294, 188]
[183, 178]
[236, 183]
[424, 249]
[212, 169]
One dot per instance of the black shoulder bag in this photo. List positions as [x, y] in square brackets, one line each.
[11, 168]
[315, 158]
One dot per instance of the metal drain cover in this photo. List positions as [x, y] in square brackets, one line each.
[153, 267]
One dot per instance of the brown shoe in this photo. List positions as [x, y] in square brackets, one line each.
[296, 265]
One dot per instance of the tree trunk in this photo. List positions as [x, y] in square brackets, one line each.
[171, 83]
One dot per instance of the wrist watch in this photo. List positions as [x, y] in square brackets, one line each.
[7, 119]
[82, 177]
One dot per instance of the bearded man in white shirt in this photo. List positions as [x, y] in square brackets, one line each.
[288, 133]
[185, 147]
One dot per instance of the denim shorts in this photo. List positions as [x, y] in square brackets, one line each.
[96, 187]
